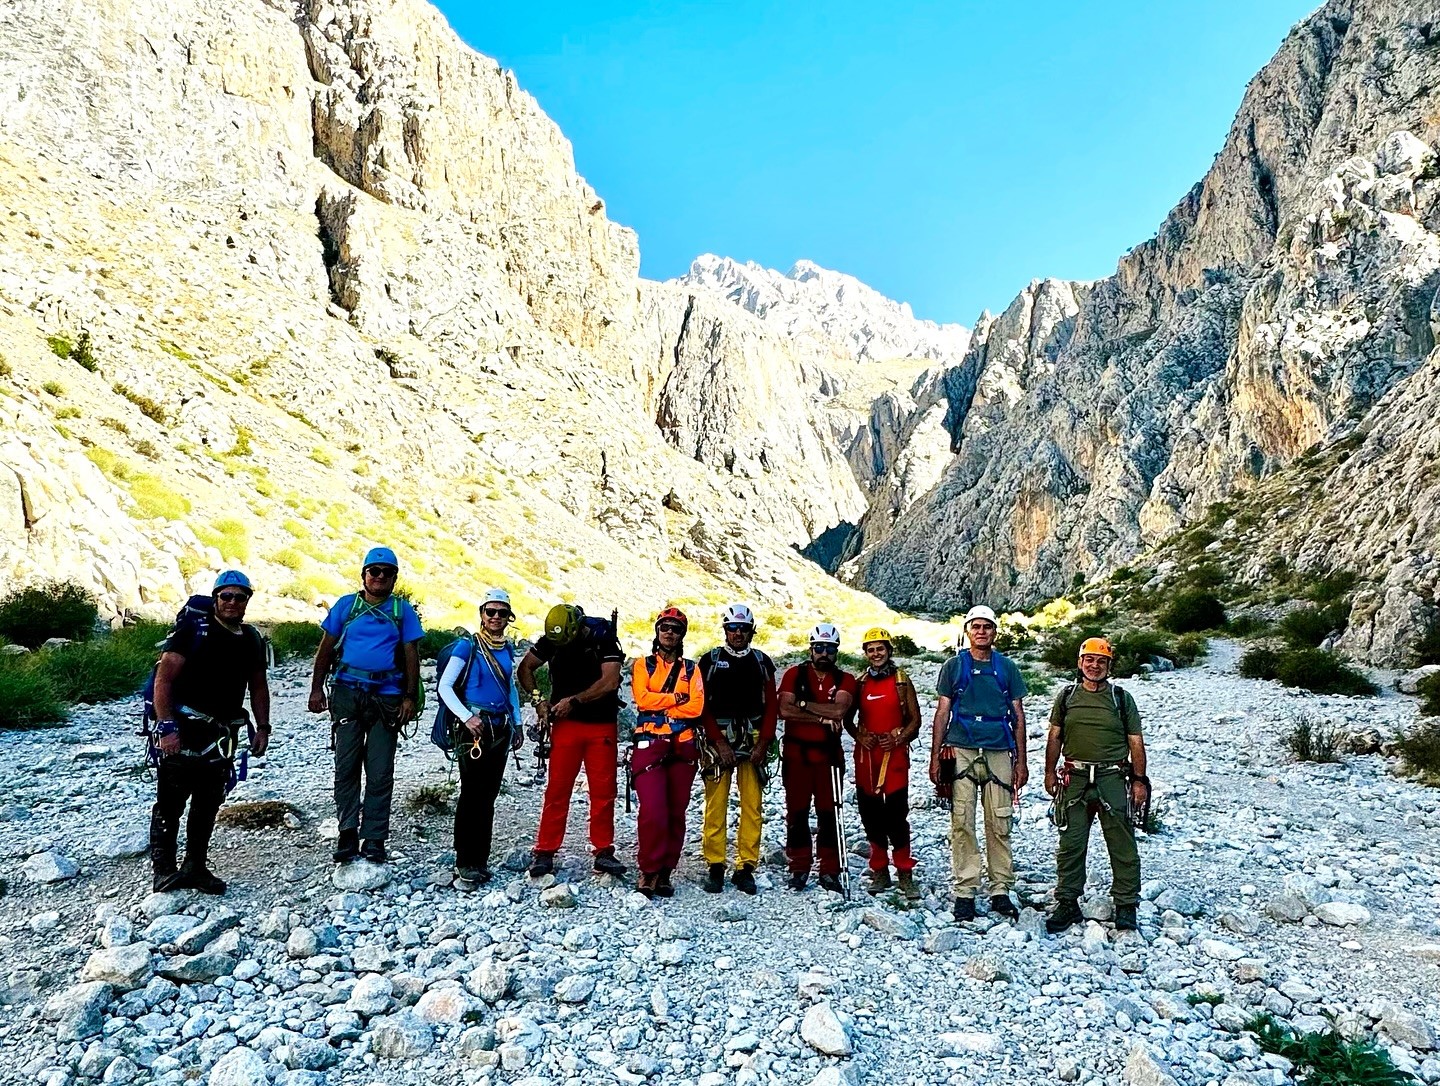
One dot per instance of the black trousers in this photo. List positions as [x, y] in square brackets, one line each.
[886, 818]
[475, 808]
[178, 780]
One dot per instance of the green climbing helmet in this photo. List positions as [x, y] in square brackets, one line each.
[563, 623]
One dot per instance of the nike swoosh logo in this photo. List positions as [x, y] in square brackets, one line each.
[873, 697]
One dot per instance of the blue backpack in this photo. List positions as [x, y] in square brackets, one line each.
[1002, 679]
[442, 732]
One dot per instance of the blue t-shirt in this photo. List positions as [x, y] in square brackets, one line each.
[368, 644]
[979, 713]
[481, 690]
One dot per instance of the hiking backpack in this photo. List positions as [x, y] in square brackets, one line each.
[446, 726]
[1002, 679]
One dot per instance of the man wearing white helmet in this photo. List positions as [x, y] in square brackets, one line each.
[739, 721]
[814, 698]
[977, 750]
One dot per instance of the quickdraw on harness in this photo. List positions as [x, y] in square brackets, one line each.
[449, 732]
[1136, 814]
[978, 771]
[221, 750]
[193, 621]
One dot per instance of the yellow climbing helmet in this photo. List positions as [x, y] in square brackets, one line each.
[877, 633]
[563, 622]
[1095, 646]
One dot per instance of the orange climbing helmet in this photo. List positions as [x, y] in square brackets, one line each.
[1095, 646]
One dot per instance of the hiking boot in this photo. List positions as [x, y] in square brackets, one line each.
[1001, 905]
[663, 886]
[797, 880]
[714, 879]
[964, 908]
[908, 886]
[1125, 918]
[832, 883]
[744, 879]
[477, 875]
[374, 852]
[347, 848]
[199, 877]
[541, 864]
[1067, 912]
[646, 884]
[877, 879]
[607, 864]
[162, 863]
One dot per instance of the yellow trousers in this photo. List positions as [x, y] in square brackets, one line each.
[717, 808]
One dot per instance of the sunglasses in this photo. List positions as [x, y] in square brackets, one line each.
[232, 597]
[738, 627]
[826, 650]
[670, 627]
[380, 573]
[496, 612]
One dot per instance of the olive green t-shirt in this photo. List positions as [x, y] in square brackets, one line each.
[1093, 728]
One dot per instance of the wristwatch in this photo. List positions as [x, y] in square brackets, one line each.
[802, 703]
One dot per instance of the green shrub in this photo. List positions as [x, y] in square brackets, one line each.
[1427, 649]
[148, 407]
[1429, 690]
[84, 353]
[1325, 1058]
[1190, 649]
[60, 345]
[295, 640]
[27, 698]
[1420, 749]
[29, 616]
[54, 388]
[157, 500]
[1306, 627]
[1331, 588]
[1192, 610]
[1260, 662]
[1247, 625]
[1208, 575]
[905, 646]
[113, 666]
[1061, 647]
[1321, 672]
[1312, 739]
[434, 641]
[1134, 648]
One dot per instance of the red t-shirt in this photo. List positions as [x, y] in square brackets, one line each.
[879, 711]
[823, 687]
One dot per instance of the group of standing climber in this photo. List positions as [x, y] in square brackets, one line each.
[722, 716]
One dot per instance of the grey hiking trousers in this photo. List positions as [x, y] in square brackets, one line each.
[366, 734]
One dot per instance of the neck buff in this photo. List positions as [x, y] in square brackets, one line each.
[888, 669]
[492, 641]
[735, 652]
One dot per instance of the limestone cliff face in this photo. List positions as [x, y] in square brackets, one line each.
[342, 285]
[1277, 306]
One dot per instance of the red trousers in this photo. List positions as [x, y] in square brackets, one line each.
[805, 771]
[574, 742]
[664, 773]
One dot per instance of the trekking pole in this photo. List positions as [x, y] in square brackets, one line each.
[837, 784]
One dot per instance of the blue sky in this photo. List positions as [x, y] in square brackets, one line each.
[944, 153]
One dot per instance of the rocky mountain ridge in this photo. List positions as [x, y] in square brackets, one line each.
[339, 282]
[1287, 302]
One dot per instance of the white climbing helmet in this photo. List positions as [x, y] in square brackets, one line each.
[980, 611]
[738, 614]
[825, 634]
